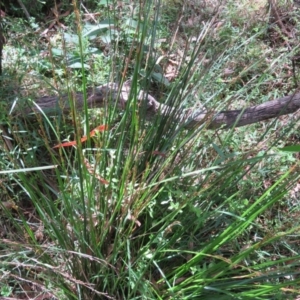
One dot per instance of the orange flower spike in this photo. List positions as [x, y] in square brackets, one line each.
[66, 144]
[102, 180]
[83, 139]
[100, 128]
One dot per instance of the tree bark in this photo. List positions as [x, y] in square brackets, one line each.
[107, 95]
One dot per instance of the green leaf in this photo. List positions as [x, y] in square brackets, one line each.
[57, 52]
[292, 148]
[132, 23]
[93, 50]
[160, 78]
[105, 2]
[106, 38]
[78, 65]
[71, 38]
[92, 31]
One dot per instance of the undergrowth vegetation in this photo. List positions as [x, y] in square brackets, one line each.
[144, 207]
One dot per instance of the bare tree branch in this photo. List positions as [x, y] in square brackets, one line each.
[109, 93]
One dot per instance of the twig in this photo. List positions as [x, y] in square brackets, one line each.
[24, 9]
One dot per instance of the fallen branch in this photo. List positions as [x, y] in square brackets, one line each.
[109, 93]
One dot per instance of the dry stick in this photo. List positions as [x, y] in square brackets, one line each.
[24, 9]
[278, 20]
[107, 94]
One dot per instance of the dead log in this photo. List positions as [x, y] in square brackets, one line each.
[110, 93]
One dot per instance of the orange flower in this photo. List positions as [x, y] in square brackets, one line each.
[84, 138]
